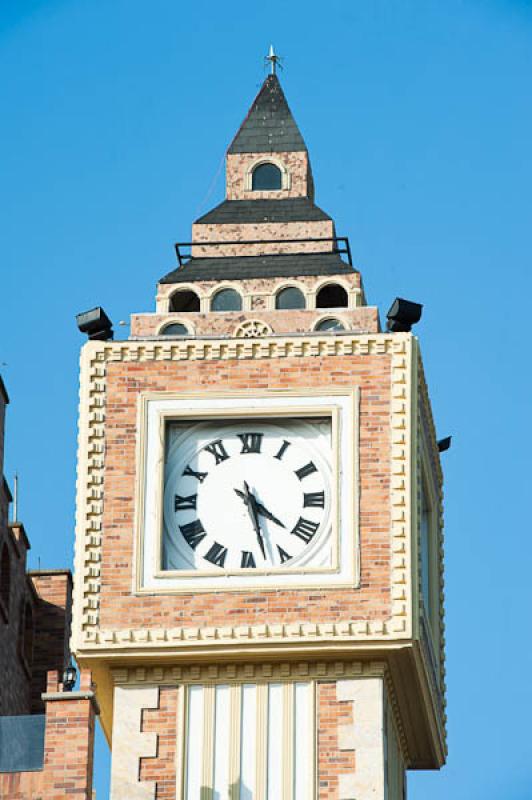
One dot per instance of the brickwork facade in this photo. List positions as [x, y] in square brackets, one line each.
[323, 229]
[360, 320]
[68, 748]
[121, 608]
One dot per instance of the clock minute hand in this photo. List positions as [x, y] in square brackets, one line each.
[251, 503]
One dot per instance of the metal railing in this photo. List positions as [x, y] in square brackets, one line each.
[341, 246]
[22, 743]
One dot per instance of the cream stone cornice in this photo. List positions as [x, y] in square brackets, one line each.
[95, 358]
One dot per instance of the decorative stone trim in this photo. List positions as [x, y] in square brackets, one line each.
[91, 448]
[228, 673]
[252, 329]
[285, 175]
[130, 744]
[170, 638]
[426, 432]
[364, 735]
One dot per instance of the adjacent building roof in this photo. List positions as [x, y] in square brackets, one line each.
[269, 126]
[296, 209]
[271, 266]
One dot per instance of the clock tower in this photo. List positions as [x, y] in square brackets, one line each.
[258, 586]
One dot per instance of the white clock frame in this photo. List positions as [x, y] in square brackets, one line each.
[155, 409]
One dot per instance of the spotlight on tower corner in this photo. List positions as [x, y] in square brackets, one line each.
[402, 315]
[444, 444]
[96, 324]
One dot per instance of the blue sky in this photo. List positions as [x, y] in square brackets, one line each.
[418, 116]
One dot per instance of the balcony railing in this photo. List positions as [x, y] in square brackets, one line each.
[22, 743]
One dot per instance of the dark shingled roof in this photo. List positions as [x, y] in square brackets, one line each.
[269, 126]
[273, 266]
[297, 209]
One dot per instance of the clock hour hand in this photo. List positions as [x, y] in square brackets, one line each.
[262, 510]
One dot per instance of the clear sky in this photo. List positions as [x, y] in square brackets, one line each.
[115, 115]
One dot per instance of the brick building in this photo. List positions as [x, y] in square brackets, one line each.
[259, 566]
[46, 734]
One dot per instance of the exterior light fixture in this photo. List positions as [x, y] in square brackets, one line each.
[402, 315]
[444, 444]
[95, 323]
[69, 677]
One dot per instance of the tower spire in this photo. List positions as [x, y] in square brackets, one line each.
[274, 60]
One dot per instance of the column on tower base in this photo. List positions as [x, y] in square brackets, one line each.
[271, 737]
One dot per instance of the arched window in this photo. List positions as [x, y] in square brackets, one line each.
[27, 647]
[266, 177]
[5, 579]
[184, 300]
[330, 325]
[226, 300]
[331, 296]
[174, 329]
[290, 298]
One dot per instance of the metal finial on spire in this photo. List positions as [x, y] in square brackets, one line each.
[274, 60]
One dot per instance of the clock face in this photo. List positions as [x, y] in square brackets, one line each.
[250, 495]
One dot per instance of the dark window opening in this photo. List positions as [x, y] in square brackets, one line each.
[331, 296]
[290, 298]
[174, 329]
[5, 579]
[184, 301]
[27, 645]
[226, 300]
[266, 177]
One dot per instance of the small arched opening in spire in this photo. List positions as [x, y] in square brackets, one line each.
[289, 298]
[266, 177]
[332, 295]
[226, 300]
[184, 300]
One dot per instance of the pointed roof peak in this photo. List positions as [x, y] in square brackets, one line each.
[269, 126]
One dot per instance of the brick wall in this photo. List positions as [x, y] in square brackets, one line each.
[319, 229]
[358, 320]
[15, 688]
[68, 748]
[163, 722]
[121, 609]
[296, 163]
[52, 625]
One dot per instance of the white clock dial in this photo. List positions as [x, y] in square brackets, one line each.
[251, 495]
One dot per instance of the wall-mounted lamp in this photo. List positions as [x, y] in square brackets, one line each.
[403, 314]
[69, 677]
[96, 324]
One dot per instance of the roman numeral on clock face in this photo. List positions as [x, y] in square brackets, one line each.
[305, 529]
[308, 469]
[314, 500]
[216, 554]
[247, 559]
[282, 449]
[217, 450]
[200, 476]
[182, 503]
[283, 555]
[251, 442]
[193, 533]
